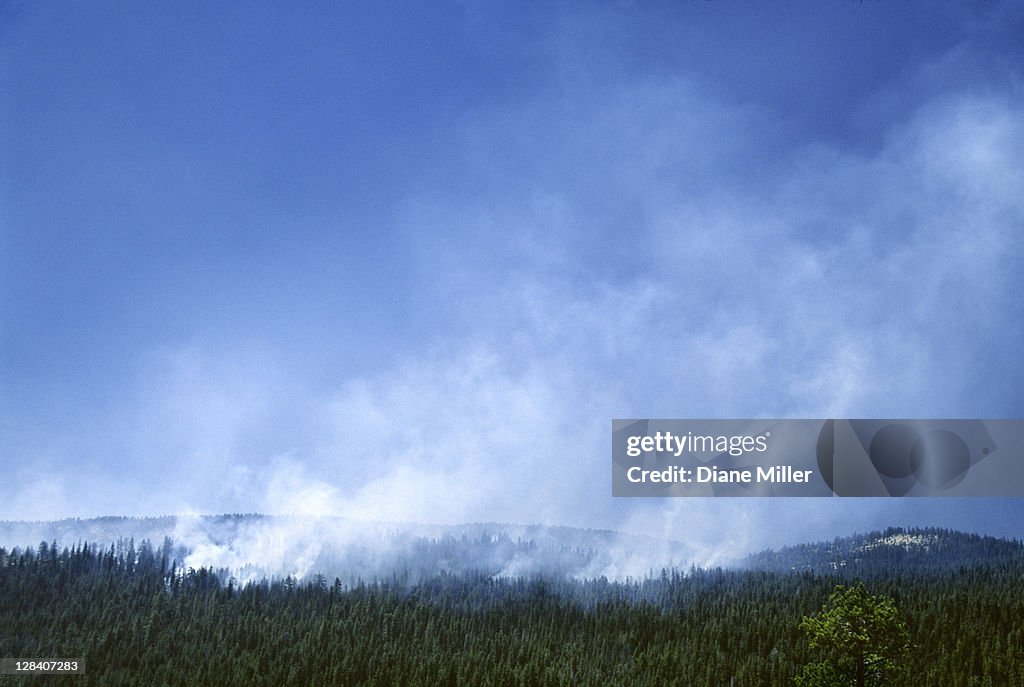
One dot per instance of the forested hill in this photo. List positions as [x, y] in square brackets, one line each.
[251, 547]
[885, 552]
[134, 618]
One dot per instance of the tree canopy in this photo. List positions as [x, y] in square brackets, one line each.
[862, 636]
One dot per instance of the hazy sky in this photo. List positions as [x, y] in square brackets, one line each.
[407, 261]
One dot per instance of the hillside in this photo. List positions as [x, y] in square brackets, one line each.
[135, 618]
[250, 547]
[894, 549]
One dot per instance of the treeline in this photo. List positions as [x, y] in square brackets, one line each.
[877, 554]
[137, 619]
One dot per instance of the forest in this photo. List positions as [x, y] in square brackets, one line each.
[137, 618]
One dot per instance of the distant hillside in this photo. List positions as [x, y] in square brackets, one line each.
[101, 531]
[254, 546]
[876, 553]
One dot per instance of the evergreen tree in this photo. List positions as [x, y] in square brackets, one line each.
[864, 640]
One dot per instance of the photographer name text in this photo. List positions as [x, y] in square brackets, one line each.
[709, 474]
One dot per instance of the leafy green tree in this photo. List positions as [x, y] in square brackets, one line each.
[863, 638]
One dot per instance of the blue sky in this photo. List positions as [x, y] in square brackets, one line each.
[407, 263]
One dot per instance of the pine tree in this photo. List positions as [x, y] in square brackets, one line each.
[863, 637]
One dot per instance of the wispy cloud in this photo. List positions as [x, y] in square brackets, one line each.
[633, 242]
